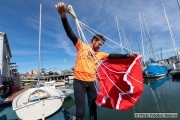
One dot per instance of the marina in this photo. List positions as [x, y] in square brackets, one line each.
[135, 78]
[159, 96]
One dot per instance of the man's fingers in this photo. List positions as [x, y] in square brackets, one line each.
[56, 7]
[134, 54]
[60, 6]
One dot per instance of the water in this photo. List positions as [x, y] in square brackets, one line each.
[159, 96]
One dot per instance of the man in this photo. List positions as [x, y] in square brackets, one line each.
[85, 69]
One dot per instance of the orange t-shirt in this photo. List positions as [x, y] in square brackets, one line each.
[86, 63]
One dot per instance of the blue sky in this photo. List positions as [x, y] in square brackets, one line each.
[20, 21]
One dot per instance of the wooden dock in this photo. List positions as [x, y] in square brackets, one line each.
[15, 94]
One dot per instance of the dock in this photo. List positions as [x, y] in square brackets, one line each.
[15, 94]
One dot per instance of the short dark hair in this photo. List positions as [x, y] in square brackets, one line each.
[98, 37]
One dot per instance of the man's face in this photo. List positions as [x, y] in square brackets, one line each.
[97, 44]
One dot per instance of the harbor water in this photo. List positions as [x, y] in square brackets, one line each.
[160, 96]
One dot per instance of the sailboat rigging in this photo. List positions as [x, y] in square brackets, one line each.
[120, 39]
[151, 68]
[170, 30]
[174, 71]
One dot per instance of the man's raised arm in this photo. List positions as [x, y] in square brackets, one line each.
[61, 8]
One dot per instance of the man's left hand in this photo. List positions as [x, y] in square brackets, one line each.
[134, 54]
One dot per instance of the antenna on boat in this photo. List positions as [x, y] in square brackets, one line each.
[39, 52]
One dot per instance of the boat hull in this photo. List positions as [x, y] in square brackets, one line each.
[29, 107]
[154, 76]
[39, 110]
[175, 72]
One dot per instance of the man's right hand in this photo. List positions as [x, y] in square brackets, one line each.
[61, 8]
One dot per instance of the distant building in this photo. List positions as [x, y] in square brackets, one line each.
[32, 72]
[5, 55]
[30, 75]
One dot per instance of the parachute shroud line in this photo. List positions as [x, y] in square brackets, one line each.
[112, 79]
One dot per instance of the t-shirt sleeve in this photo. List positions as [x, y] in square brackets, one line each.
[78, 44]
[103, 56]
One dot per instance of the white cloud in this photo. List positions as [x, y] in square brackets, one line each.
[21, 20]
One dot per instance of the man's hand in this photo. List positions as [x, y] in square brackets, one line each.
[134, 55]
[61, 8]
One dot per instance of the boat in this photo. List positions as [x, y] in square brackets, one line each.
[175, 65]
[37, 101]
[152, 67]
[53, 84]
[40, 101]
[175, 72]
[7, 112]
[65, 88]
[154, 70]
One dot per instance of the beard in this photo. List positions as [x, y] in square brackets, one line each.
[96, 48]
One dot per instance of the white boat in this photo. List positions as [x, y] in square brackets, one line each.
[53, 84]
[37, 103]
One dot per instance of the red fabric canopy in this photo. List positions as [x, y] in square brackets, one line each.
[120, 83]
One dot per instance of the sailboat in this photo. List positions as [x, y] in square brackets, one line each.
[40, 101]
[152, 68]
[171, 66]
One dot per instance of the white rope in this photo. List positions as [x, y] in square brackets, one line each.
[81, 34]
[103, 85]
[117, 86]
[80, 31]
[99, 33]
[107, 38]
[127, 73]
[104, 71]
[124, 72]
[117, 73]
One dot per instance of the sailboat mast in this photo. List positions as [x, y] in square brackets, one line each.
[39, 52]
[141, 27]
[170, 30]
[150, 40]
[119, 36]
[138, 45]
